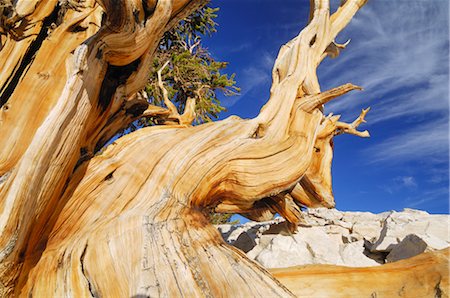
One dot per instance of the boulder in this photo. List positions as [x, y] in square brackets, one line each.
[410, 246]
[432, 229]
[355, 239]
[284, 252]
[353, 255]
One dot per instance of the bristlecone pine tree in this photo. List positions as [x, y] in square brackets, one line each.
[131, 220]
[185, 75]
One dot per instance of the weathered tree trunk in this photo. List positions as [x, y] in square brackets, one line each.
[131, 220]
[425, 275]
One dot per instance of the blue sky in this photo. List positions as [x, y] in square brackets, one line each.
[399, 54]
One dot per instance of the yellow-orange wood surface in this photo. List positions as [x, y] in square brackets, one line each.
[132, 219]
[425, 275]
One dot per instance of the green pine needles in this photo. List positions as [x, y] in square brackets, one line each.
[191, 71]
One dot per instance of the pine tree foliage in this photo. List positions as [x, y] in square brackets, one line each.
[192, 72]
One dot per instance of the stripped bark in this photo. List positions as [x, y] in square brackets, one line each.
[132, 220]
[425, 275]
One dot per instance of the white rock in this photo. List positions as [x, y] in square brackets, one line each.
[284, 251]
[334, 229]
[431, 228]
[438, 227]
[357, 216]
[323, 247]
[224, 229]
[341, 238]
[353, 255]
[263, 243]
[434, 243]
[366, 230]
[415, 211]
[325, 213]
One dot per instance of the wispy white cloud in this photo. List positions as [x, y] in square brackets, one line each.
[399, 54]
[407, 181]
[237, 48]
[433, 98]
[267, 61]
[438, 175]
[400, 184]
[256, 76]
[437, 196]
[251, 78]
[425, 143]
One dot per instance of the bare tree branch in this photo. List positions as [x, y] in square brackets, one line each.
[343, 127]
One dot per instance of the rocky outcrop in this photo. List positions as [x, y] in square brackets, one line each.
[425, 275]
[355, 239]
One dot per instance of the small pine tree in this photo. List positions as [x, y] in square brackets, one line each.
[192, 71]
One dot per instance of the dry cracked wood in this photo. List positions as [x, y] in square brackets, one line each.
[425, 275]
[67, 97]
[131, 220]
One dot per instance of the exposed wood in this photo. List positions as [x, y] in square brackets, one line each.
[174, 117]
[67, 114]
[425, 275]
[132, 220]
[315, 188]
